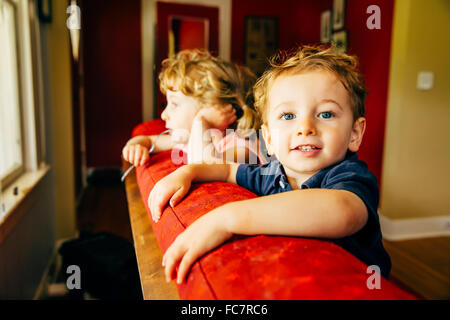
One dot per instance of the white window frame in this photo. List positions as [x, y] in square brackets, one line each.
[15, 186]
[18, 169]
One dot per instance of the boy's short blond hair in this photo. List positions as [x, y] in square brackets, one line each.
[212, 81]
[308, 58]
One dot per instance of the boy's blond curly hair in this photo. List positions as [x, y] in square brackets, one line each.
[308, 58]
[212, 81]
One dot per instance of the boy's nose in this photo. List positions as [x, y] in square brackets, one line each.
[306, 128]
[165, 115]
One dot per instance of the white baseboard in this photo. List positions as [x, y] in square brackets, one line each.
[414, 228]
[51, 271]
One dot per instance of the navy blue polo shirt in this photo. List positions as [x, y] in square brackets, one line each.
[349, 174]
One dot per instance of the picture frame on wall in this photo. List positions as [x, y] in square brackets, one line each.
[325, 27]
[261, 42]
[338, 14]
[339, 40]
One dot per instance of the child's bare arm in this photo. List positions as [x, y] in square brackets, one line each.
[311, 213]
[175, 186]
[321, 213]
[214, 172]
[136, 149]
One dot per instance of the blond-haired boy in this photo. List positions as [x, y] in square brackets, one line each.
[312, 107]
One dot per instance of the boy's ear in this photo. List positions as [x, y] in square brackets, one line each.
[357, 134]
[267, 139]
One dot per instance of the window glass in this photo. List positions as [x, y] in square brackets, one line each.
[10, 128]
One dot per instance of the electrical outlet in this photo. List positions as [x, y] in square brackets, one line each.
[425, 80]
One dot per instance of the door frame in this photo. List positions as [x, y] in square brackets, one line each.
[148, 16]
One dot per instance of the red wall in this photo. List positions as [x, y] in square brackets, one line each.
[192, 34]
[299, 23]
[373, 47]
[111, 36]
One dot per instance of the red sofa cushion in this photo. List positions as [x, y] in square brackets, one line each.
[254, 267]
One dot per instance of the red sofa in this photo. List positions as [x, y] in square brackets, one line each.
[257, 267]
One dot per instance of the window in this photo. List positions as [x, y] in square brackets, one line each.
[11, 155]
[22, 127]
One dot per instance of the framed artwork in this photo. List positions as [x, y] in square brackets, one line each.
[338, 14]
[261, 42]
[340, 41]
[325, 27]
[44, 9]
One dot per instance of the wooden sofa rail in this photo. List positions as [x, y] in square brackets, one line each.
[148, 253]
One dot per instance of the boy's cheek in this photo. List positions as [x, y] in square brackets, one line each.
[275, 136]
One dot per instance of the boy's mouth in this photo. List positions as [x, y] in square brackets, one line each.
[307, 147]
[307, 150]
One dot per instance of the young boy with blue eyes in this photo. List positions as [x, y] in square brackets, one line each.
[312, 107]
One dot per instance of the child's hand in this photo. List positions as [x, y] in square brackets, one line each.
[218, 117]
[174, 187]
[203, 235]
[136, 154]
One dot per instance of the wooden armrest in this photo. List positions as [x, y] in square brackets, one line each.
[148, 254]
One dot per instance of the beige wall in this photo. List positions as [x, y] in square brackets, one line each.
[61, 104]
[416, 164]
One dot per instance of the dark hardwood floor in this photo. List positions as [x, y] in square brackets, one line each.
[103, 207]
[421, 266]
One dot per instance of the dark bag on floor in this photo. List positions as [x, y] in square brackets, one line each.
[107, 263]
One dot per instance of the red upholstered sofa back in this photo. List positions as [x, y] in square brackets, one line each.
[257, 267]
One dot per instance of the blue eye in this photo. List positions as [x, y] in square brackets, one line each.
[287, 116]
[325, 115]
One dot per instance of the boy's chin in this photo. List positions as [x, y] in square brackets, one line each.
[295, 168]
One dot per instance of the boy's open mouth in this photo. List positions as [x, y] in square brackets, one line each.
[306, 147]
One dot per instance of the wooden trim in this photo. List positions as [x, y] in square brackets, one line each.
[148, 253]
[10, 176]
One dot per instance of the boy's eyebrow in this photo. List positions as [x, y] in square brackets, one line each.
[288, 103]
[332, 101]
[284, 103]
